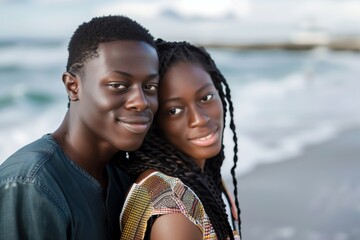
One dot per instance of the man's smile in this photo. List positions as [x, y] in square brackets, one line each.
[135, 124]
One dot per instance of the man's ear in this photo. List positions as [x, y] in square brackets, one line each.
[71, 83]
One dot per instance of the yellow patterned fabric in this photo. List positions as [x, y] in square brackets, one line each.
[160, 194]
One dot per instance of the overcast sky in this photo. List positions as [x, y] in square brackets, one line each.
[207, 19]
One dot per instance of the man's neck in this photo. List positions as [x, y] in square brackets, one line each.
[88, 154]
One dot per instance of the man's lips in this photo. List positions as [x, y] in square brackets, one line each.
[205, 139]
[135, 124]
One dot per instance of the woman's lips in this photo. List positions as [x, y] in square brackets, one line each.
[136, 125]
[206, 140]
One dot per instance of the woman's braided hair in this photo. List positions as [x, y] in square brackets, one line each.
[158, 154]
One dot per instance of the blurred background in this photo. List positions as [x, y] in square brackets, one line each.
[293, 68]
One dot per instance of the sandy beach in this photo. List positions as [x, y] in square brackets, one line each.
[315, 196]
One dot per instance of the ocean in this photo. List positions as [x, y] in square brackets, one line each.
[284, 100]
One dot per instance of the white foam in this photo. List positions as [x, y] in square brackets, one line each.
[278, 118]
[33, 57]
[21, 132]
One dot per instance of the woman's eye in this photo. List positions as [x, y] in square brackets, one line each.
[207, 98]
[119, 86]
[175, 111]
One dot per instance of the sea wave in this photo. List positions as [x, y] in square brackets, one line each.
[32, 57]
[277, 112]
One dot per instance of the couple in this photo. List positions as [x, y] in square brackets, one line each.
[72, 184]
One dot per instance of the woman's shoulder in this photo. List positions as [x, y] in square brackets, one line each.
[155, 194]
[151, 180]
[157, 186]
[168, 194]
[171, 193]
[151, 175]
[157, 189]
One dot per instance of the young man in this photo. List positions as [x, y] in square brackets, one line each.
[65, 185]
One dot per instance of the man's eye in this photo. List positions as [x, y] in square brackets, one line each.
[119, 86]
[207, 98]
[175, 111]
[151, 87]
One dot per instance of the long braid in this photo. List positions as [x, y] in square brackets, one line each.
[233, 173]
[235, 139]
[156, 153]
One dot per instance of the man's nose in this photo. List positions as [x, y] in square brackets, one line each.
[137, 99]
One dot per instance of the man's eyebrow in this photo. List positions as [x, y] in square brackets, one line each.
[153, 76]
[126, 74]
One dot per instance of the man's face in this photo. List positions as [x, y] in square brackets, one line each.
[117, 95]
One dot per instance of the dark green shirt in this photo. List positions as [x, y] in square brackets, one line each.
[44, 195]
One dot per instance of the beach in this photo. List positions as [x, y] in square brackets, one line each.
[294, 84]
[315, 196]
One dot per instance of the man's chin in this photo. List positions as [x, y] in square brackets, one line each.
[130, 147]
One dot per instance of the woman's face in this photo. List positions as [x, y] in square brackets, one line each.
[190, 114]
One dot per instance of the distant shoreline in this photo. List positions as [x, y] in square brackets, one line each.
[346, 44]
[336, 44]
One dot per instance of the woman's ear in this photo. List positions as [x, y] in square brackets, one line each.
[71, 83]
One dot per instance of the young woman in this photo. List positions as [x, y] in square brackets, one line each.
[178, 191]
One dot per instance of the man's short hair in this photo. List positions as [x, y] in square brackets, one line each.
[85, 41]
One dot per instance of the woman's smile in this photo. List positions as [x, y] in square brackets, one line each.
[206, 140]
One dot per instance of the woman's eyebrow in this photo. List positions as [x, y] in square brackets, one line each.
[203, 87]
[173, 99]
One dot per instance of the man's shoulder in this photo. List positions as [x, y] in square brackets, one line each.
[119, 179]
[28, 160]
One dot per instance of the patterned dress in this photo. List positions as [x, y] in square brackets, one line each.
[159, 194]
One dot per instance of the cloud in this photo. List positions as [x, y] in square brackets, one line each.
[181, 9]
